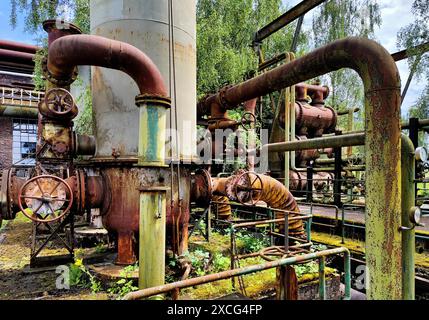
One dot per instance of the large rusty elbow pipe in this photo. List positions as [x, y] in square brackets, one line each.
[381, 80]
[68, 52]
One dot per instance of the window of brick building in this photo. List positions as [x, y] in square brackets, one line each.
[24, 142]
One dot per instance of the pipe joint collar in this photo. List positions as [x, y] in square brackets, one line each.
[153, 100]
[61, 83]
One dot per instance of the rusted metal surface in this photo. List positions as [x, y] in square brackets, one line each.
[221, 208]
[70, 51]
[286, 18]
[57, 29]
[298, 180]
[381, 80]
[45, 198]
[18, 46]
[201, 188]
[120, 206]
[58, 104]
[355, 139]
[11, 57]
[245, 187]
[241, 271]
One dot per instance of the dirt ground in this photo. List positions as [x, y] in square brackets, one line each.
[17, 281]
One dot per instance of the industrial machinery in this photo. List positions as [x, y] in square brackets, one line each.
[144, 83]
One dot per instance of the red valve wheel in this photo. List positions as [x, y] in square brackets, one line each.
[246, 189]
[59, 101]
[247, 120]
[45, 198]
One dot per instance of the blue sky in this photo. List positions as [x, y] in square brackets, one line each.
[395, 14]
[6, 31]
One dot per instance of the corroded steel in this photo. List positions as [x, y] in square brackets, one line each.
[247, 270]
[18, 46]
[16, 57]
[221, 208]
[201, 188]
[381, 80]
[57, 29]
[269, 190]
[120, 206]
[314, 121]
[45, 198]
[354, 139]
[70, 51]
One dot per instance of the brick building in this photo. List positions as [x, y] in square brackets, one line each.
[18, 105]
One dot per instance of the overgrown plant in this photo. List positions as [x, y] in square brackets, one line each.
[124, 285]
[81, 277]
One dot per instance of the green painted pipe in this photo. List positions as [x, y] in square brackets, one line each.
[354, 139]
[408, 201]
[152, 132]
[153, 204]
[322, 279]
[18, 112]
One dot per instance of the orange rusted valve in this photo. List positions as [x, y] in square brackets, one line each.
[45, 198]
[59, 102]
[248, 188]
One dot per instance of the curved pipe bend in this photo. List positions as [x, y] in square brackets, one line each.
[68, 52]
[380, 77]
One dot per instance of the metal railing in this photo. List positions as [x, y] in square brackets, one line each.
[299, 259]
[20, 97]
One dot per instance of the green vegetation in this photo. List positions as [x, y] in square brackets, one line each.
[337, 19]
[81, 277]
[412, 35]
[37, 11]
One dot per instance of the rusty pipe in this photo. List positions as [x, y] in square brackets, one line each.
[273, 193]
[70, 51]
[11, 56]
[18, 46]
[381, 80]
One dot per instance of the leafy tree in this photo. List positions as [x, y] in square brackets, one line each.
[37, 11]
[225, 30]
[337, 19]
[412, 35]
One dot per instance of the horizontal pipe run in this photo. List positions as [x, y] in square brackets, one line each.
[346, 112]
[19, 112]
[258, 223]
[18, 46]
[317, 143]
[236, 272]
[10, 56]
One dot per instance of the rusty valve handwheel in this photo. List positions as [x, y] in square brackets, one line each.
[247, 119]
[246, 190]
[273, 253]
[45, 198]
[59, 101]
